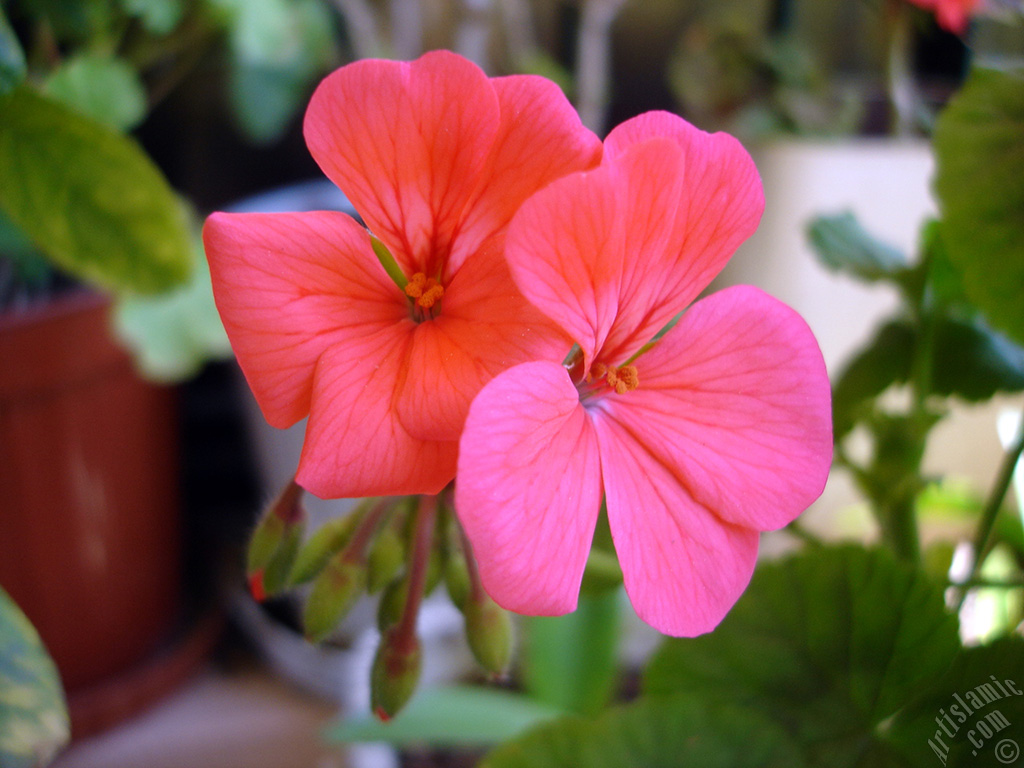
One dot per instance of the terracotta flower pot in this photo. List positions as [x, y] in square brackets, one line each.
[89, 514]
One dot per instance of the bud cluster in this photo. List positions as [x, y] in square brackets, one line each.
[396, 548]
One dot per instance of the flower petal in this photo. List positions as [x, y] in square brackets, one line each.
[735, 401]
[540, 139]
[529, 488]
[289, 285]
[406, 142]
[485, 327]
[565, 249]
[683, 568]
[355, 445]
[713, 203]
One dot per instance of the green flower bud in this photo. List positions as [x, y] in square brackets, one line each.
[489, 633]
[324, 544]
[387, 554]
[334, 592]
[278, 520]
[395, 673]
[392, 603]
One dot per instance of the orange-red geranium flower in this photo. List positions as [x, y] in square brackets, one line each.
[436, 158]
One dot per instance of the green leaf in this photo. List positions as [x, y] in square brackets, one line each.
[456, 716]
[158, 16]
[843, 245]
[90, 198]
[974, 361]
[12, 57]
[278, 49]
[33, 718]
[979, 145]
[831, 643]
[569, 661]
[884, 361]
[104, 88]
[671, 732]
[172, 335]
[970, 360]
[965, 717]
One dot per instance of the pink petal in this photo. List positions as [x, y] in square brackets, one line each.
[683, 568]
[529, 488]
[407, 143]
[288, 286]
[485, 326]
[355, 445]
[540, 139]
[565, 248]
[735, 402]
[719, 206]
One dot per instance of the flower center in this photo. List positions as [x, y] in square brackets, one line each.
[425, 292]
[623, 379]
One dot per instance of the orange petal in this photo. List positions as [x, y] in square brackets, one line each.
[287, 286]
[406, 142]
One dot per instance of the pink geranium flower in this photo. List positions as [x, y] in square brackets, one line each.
[952, 15]
[717, 431]
[436, 158]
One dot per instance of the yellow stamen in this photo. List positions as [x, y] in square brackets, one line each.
[624, 379]
[425, 290]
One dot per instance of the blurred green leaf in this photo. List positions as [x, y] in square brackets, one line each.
[33, 718]
[657, 732]
[159, 17]
[90, 198]
[970, 360]
[974, 361]
[278, 49]
[831, 643]
[946, 722]
[456, 716]
[12, 57]
[173, 334]
[104, 88]
[843, 245]
[979, 146]
[882, 362]
[569, 661]
[74, 20]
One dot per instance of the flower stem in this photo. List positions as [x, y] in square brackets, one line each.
[983, 535]
[418, 561]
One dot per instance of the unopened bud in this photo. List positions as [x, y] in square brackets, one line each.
[387, 554]
[456, 578]
[324, 544]
[334, 592]
[396, 671]
[275, 541]
[489, 632]
[392, 603]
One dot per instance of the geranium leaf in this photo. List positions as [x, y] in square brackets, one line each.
[33, 717]
[979, 145]
[104, 88]
[659, 732]
[884, 361]
[971, 716]
[90, 198]
[831, 642]
[974, 361]
[12, 57]
[843, 245]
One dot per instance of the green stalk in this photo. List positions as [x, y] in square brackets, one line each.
[983, 535]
